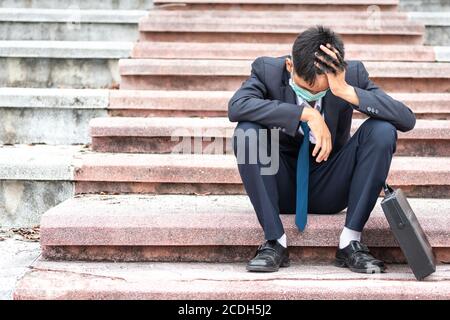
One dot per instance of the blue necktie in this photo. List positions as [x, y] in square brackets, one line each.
[301, 209]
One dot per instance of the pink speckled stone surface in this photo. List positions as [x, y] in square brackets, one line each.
[212, 74]
[163, 134]
[82, 280]
[208, 101]
[277, 22]
[191, 67]
[339, 2]
[169, 99]
[291, 7]
[222, 127]
[162, 127]
[193, 50]
[222, 169]
[142, 220]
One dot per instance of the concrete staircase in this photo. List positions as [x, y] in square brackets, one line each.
[139, 201]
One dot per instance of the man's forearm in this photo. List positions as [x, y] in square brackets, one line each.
[348, 94]
[308, 114]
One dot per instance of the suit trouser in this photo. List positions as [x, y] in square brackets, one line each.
[351, 178]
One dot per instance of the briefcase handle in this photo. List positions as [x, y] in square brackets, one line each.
[387, 189]
[400, 222]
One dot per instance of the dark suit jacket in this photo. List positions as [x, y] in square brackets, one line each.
[267, 98]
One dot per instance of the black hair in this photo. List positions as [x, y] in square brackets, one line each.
[303, 52]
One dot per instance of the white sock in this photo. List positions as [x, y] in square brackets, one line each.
[282, 240]
[348, 235]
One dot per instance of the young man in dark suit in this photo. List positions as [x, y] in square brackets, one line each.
[308, 98]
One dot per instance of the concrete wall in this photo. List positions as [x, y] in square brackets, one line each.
[425, 5]
[22, 202]
[60, 31]
[50, 116]
[438, 36]
[46, 125]
[435, 15]
[59, 73]
[33, 179]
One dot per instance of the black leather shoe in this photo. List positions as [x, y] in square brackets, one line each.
[357, 258]
[269, 257]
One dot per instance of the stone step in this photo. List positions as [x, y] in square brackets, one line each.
[286, 18]
[213, 135]
[217, 174]
[79, 4]
[193, 281]
[71, 25]
[272, 27]
[365, 52]
[153, 223]
[291, 5]
[214, 228]
[151, 103]
[187, 74]
[75, 64]
[49, 116]
[442, 53]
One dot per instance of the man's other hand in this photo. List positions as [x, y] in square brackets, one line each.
[320, 131]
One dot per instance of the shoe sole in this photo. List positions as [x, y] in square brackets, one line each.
[343, 264]
[284, 264]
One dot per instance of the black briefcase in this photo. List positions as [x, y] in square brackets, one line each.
[408, 232]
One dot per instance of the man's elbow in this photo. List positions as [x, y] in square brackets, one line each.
[233, 114]
[410, 123]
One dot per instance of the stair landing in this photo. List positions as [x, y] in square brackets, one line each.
[196, 281]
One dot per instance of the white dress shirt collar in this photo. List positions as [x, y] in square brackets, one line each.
[318, 104]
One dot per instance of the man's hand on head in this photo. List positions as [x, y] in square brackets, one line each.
[330, 61]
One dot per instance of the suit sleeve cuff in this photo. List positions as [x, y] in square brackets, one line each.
[365, 100]
[292, 113]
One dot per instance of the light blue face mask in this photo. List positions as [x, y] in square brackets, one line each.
[305, 94]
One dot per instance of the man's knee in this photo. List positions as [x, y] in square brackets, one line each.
[381, 134]
[245, 134]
